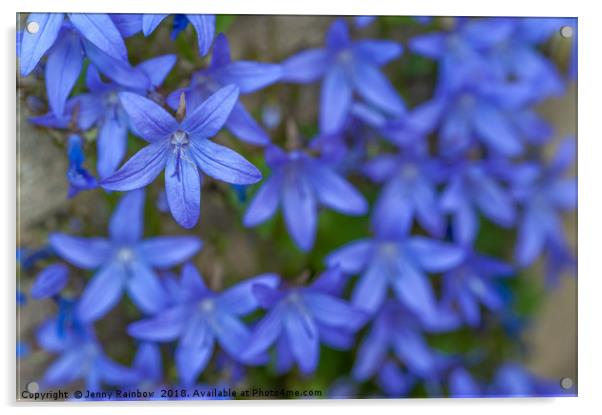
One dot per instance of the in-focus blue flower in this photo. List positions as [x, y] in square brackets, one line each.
[201, 318]
[248, 76]
[409, 191]
[544, 195]
[181, 149]
[396, 260]
[472, 283]
[79, 178]
[204, 25]
[80, 357]
[125, 262]
[397, 329]
[300, 318]
[472, 188]
[346, 67]
[50, 281]
[300, 183]
[64, 41]
[102, 108]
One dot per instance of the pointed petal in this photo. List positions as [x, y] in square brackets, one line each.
[183, 189]
[192, 282]
[156, 69]
[140, 170]
[335, 312]
[166, 326]
[413, 289]
[245, 127]
[150, 22]
[335, 100]
[111, 145]
[335, 192]
[265, 333]
[306, 66]
[371, 289]
[144, 288]
[495, 130]
[433, 255]
[431, 45]
[300, 211]
[151, 121]
[370, 356]
[204, 25]
[302, 334]
[192, 360]
[353, 257]
[220, 55]
[87, 253]
[128, 24]
[248, 76]
[50, 281]
[100, 30]
[169, 251]
[127, 221]
[209, 117]
[264, 204]
[117, 70]
[337, 36]
[115, 374]
[376, 89]
[62, 70]
[377, 52]
[102, 293]
[149, 362]
[240, 299]
[231, 334]
[35, 45]
[223, 164]
[65, 369]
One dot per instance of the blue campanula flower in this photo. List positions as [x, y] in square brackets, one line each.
[201, 318]
[544, 195]
[472, 283]
[471, 188]
[346, 67]
[80, 357]
[300, 183]
[397, 260]
[204, 25]
[124, 262]
[181, 149]
[409, 191]
[50, 281]
[102, 108]
[128, 24]
[300, 318]
[248, 76]
[399, 330]
[64, 40]
[79, 178]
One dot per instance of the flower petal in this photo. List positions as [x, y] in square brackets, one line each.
[165, 326]
[335, 312]
[169, 251]
[335, 192]
[300, 211]
[140, 170]
[433, 255]
[204, 25]
[353, 257]
[248, 76]
[210, 116]
[240, 299]
[306, 66]
[370, 291]
[335, 100]
[117, 70]
[144, 288]
[302, 334]
[151, 121]
[376, 89]
[192, 360]
[243, 125]
[62, 70]
[378, 52]
[265, 333]
[150, 22]
[102, 293]
[223, 164]
[231, 334]
[100, 30]
[112, 146]
[50, 281]
[35, 45]
[264, 204]
[87, 253]
[156, 69]
[183, 189]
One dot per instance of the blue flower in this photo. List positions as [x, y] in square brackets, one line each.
[398, 329]
[181, 149]
[204, 25]
[409, 191]
[124, 262]
[80, 357]
[300, 318]
[463, 385]
[50, 281]
[248, 76]
[544, 195]
[64, 40]
[346, 67]
[79, 178]
[472, 283]
[201, 318]
[512, 380]
[471, 188]
[301, 182]
[393, 259]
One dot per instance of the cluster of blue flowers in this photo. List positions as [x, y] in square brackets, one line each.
[432, 177]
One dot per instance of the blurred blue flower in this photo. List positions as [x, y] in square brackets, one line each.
[472, 283]
[471, 188]
[80, 357]
[181, 149]
[50, 281]
[204, 25]
[63, 40]
[23, 350]
[346, 67]
[79, 178]
[513, 380]
[301, 182]
[544, 194]
[463, 385]
[400, 330]
[21, 298]
[248, 76]
[201, 318]
[300, 318]
[364, 21]
[394, 259]
[124, 262]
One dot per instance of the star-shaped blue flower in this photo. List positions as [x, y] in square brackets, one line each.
[124, 262]
[346, 67]
[201, 318]
[301, 182]
[248, 76]
[181, 149]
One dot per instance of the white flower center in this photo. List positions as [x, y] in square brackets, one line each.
[179, 138]
[125, 255]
